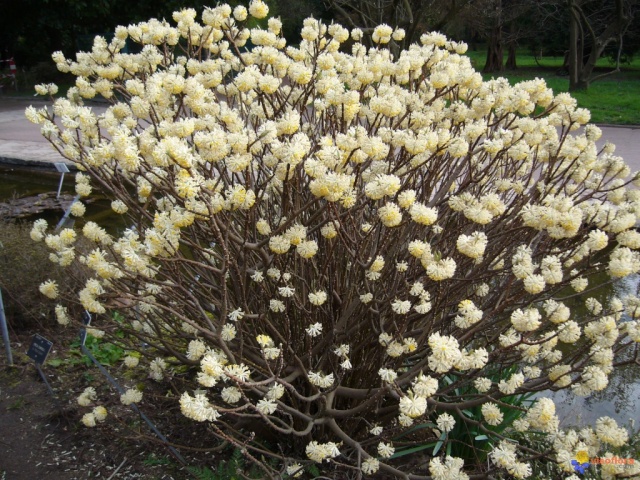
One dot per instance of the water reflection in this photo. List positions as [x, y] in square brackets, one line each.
[621, 399]
[19, 182]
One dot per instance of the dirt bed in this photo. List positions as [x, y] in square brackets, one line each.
[41, 436]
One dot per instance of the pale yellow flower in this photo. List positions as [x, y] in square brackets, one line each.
[49, 289]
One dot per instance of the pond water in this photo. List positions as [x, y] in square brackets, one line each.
[620, 400]
[19, 182]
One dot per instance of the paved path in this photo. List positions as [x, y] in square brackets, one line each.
[21, 142]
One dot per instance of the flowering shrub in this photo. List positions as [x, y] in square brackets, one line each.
[346, 245]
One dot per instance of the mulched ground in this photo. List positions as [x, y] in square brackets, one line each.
[41, 436]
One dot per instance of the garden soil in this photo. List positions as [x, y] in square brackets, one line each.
[41, 436]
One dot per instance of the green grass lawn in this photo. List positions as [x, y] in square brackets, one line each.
[615, 99]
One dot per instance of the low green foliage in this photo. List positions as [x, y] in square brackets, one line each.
[231, 469]
[153, 460]
[17, 404]
[105, 352]
[471, 440]
[225, 471]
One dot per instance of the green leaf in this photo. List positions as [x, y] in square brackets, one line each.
[437, 447]
[56, 362]
[409, 451]
[439, 444]
[416, 428]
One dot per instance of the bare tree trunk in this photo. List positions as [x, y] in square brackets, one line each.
[581, 70]
[495, 48]
[495, 52]
[575, 50]
[511, 48]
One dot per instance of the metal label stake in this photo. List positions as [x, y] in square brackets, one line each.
[67, 212]
[5, 332]
[62, 168]
[120, 390]
[38, 352]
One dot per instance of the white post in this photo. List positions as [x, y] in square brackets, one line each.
[62, 168]
[66, 213]
[60, 185]
[5, 331]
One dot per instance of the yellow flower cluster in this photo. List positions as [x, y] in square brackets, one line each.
[287, 201]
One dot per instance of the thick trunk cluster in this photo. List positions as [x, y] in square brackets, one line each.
[495, 51]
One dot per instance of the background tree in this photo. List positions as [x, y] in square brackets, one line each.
[31, 29]
[593, 25]
[499, 22]
[549, 37]
[496, 21]
[414, 16]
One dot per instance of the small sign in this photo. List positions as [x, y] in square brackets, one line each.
[39, 349]
[61, 167]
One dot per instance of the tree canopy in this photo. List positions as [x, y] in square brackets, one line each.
[30, 30]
